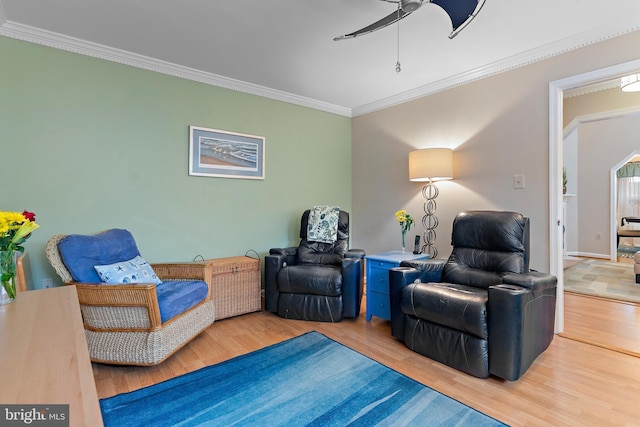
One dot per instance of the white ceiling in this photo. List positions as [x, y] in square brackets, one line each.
[284, 49]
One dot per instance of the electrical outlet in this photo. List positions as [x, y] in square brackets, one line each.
[47, 283]
[518, 181]
[598, 236]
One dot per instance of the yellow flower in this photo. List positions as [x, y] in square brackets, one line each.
[404, 219]
[15, 229]
[25, 229]
[10, 221]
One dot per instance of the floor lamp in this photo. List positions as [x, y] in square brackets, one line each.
[429, 165]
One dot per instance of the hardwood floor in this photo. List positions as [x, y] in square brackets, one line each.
[572, 383]
[607, 323]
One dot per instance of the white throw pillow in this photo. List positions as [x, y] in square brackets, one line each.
[136, 270]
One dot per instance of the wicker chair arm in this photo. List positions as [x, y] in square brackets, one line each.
[185, 271]
[51, 250]
[182, 271]
[133, 295]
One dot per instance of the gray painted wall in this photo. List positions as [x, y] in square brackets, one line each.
[601, 146]
[498, 127]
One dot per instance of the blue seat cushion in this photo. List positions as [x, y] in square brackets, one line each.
[177, 297]
[81, 253]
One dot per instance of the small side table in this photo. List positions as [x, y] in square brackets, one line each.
[377, 279]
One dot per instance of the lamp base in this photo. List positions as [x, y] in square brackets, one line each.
[429, 220]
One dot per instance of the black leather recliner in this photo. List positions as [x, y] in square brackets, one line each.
[315, 281]
[482, 311]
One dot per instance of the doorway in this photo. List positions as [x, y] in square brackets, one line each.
[556, 137]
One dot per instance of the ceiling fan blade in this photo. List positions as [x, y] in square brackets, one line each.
[461, 12]
[387, 20]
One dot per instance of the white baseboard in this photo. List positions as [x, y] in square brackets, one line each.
[589, 255]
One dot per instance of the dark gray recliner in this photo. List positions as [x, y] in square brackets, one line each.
[315, 281]
[482, 311]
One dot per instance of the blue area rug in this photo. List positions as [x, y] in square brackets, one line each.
[627, 251]
[309, 380]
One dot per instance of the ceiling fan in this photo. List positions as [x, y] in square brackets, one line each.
[461, 13]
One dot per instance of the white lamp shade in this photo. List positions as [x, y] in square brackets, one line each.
[431, 164]
[630, 83]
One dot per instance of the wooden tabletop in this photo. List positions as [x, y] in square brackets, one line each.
[44, 357]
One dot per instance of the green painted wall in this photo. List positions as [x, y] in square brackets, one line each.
[89, 145]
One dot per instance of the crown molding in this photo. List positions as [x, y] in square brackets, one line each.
[95, 50]
[594, 88]
[520, 60]
[47, 38]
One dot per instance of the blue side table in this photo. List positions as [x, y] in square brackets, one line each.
[377, 279]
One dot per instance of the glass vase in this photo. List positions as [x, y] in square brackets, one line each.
[403, 236]
[8, 277]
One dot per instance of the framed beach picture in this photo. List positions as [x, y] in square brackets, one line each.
[224, 154]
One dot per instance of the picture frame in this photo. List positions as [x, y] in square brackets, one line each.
[224, 154]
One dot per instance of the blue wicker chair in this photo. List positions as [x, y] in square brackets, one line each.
[136, 322]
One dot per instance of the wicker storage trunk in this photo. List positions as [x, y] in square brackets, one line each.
[235, 284]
